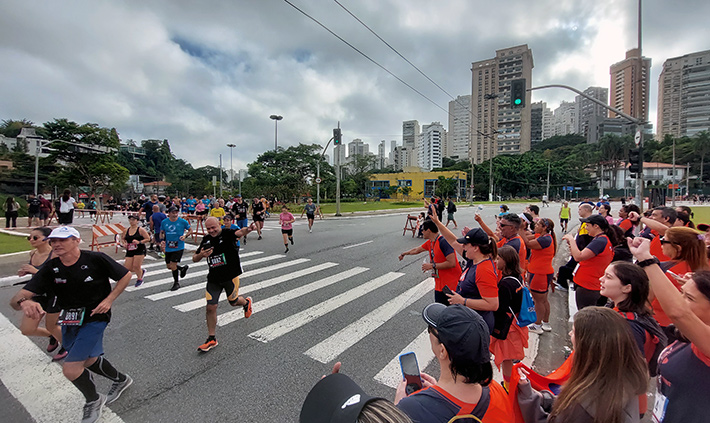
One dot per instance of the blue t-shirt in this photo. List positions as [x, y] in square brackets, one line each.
[157, 219]
[173, 232]
[234, 227]
[191, 204]
[206, 202]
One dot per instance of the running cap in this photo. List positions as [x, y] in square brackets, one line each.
[703, 227]
[596, 219]
[64, 232]
[463, 332]
[475, 236]
[334, 399]
[238, 196]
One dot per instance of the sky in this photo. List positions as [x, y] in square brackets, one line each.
[209, 73]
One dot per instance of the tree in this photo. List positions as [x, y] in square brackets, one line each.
[614, 150]
[701, 142]
[359, 171]
[405, 190]
[11, 128]
[446, 187]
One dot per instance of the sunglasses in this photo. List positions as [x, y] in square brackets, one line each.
[665, 241]
[33, 238]
[502, 225]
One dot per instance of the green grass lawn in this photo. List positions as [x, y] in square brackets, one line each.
[13, 244]
[370, 205]
[701, 214]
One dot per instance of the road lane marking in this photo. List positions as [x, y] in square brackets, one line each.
[199, 303]
[295, 321]
[336, 344]
[391, 374]
[234, 315]
[37, 383]
[357, 245]
[170, 279]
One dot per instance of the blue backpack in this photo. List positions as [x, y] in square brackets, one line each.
[527, 315]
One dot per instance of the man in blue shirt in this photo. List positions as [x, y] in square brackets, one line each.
[191, 202]
[172, 232]
[147, 207]
[156, 220]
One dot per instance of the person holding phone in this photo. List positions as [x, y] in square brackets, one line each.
[459, 338]
[442, 261]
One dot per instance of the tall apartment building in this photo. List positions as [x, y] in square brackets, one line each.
[684, 95]
[430, 144]
[586, 108]
[496, 128]
[565, 118]
[358, 148]
[536, 111]
[459, 135]
[391, 155]
[625, 76]
[410, 139]
[402, 157]
[381, 158]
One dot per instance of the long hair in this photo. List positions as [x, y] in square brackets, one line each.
[511, 258]
[490, 248]
[702, 281]
[10, 203]
[692, 247]
[382, 411]
[631, 274]
[550, 228]
[608, 369]
[66, 195]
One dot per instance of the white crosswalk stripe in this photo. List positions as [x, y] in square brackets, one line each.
[304, 317]
[231, 316]
[243, 290]
[391, 374]
[335, 345]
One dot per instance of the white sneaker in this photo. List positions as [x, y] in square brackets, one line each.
[535, 328]
[310, 231]
[546, 327]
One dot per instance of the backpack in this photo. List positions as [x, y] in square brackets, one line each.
[479, 410]
[451, 208]
[527, 315]
[655, 342]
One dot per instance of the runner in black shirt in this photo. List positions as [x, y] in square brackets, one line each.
[222, 254]
[33, 210]
[240, 209]
[80, 280]
[258, 214]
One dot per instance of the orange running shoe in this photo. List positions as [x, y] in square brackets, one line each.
[208, 345]
[247, 308]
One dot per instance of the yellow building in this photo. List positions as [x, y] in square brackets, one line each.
[422, 184]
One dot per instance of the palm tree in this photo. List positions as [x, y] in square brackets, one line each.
[701, 143]
[614, 149]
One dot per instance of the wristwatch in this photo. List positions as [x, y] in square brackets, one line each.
[648, 262]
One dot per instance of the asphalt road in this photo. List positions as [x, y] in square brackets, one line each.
[340, 294]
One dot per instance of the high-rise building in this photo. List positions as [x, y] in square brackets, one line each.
[429, 151]
[684, 95]
[393, 147]
[586, 108]
[625, 78]
[381, 158]
[565, 118]
[410, 139]
[402, 157]
[496, 127]
[536, 110]
[358, 148]
[458, 138]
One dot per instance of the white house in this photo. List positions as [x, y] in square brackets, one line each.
[654, 173]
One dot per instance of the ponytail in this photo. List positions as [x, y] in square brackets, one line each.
[490, 248]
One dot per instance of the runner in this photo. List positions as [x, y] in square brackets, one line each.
[172, 233]
[241, 213]
[134, 239]
[45, 210]
[442, 261]
[218, 211]
[33, 210]
[80, 279]
[257, 212]
[220, 249]
[565, 213]
[310, 210]
[30, 327]
[286, 220]
[542, 246]
[156, 220]
[191, 202]
[450, 210]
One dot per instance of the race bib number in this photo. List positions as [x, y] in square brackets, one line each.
[132, 247]
[71, 317]
[659, 408]
[216, 261]
[173, 244]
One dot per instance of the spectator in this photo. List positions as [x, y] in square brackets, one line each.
[45, 210]
[450, 210]
[11, 208]
[624, 222]
[66, 208]
[605, 211]
[543, 246]
[607, 374]
[459, 339]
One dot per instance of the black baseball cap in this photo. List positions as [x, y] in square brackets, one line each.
[463, 332]
[596, 219]
[703, 227]
[475, 236]
[334, 399]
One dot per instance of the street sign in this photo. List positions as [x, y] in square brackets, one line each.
[319, 180]
[214, 181]
[637, 138]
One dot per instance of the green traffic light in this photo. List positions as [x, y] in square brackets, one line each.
[518, 101]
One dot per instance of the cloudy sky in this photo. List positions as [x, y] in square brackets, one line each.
[208, 73]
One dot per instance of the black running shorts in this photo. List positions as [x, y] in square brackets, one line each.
[214, 289]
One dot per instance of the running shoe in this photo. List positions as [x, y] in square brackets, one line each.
[92, 410]
[208, 345]
[247, 308]
[559, 287]
[53, 344]
[535, 328]
[291, 239]
[259, 238]
[310, 231]
[117, 389]
[245, 240]
[546, 327]
[183, 271]
[161, 254]
[286, 250]
[175, 286]
[60, 355]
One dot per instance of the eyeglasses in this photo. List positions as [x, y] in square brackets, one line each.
[504, 225]
[33, 238]
[665, 241]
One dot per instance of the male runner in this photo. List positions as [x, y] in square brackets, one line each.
[172, 232]
[33, 210]
[310, 210]
[80, 280]
[240, 209]
[258, 212]
[220, 249]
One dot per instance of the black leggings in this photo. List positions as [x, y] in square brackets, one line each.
[586, 297]
[11, 219]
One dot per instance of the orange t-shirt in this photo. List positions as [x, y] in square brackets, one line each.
[517, 243]
[541, 260]
[590, 270]
[657, 248]
[680, 269]
[437, 254]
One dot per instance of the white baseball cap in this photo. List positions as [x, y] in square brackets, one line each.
[64, 232]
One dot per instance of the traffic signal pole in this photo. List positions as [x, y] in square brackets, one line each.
[337, 141]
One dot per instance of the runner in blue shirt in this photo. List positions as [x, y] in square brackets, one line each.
[191, 202]
[172, 232]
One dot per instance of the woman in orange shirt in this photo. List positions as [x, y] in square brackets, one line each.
[543, 246]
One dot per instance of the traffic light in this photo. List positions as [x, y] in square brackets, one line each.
[337, 135]
[635, 161]
[517, 93]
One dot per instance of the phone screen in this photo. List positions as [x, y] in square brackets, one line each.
[410, 371]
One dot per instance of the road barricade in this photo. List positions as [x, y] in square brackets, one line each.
[102, 231]
[410, 225]
[197, 223]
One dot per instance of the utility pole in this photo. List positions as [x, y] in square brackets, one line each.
[673, 178]
[220, 175]
[639, 117]
[687, 180]
[337, 173]
[547, 190]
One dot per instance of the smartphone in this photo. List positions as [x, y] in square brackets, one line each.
[410, 372]
[447, 290]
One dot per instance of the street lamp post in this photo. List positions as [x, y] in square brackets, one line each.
[231, 168]
[276, 119]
